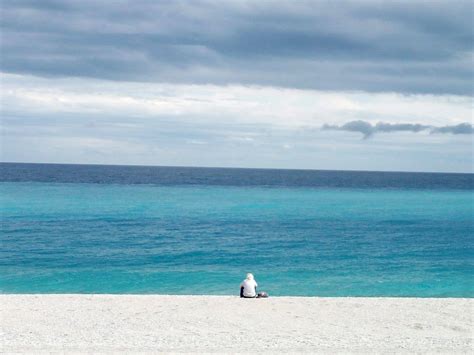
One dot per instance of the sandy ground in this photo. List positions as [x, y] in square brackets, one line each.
[108, 323]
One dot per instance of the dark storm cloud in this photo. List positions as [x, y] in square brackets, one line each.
[368, 129]
[402, 46]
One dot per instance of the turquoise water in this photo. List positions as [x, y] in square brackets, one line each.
[201, 239]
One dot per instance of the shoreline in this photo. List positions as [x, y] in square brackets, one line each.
[234, 296]
[196, 323]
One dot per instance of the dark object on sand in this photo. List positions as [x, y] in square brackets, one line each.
[262, 295]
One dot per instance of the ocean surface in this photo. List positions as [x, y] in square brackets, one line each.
[168, 230]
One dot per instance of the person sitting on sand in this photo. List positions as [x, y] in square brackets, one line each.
[248, 287]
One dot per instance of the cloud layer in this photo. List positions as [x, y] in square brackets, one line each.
[238, 83]
[46, 100]
[368, 129]
[399, 46]
[84, 120]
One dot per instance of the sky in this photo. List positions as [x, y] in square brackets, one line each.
[344, 85]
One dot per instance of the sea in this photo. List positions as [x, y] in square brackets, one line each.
[180, 230]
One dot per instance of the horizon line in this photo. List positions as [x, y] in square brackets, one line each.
[241, 168]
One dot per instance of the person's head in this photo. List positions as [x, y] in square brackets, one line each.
[249, 276]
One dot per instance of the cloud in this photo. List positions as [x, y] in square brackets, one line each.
[403, 46]
[368, 129]
[400, 127]
[80, 120]
[354, 126]
[462, 128]
[53, 100]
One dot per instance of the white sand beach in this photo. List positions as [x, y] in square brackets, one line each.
[224, 324]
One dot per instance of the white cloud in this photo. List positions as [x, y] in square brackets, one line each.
[274, 107]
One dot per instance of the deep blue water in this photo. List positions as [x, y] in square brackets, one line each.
[115, 229]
